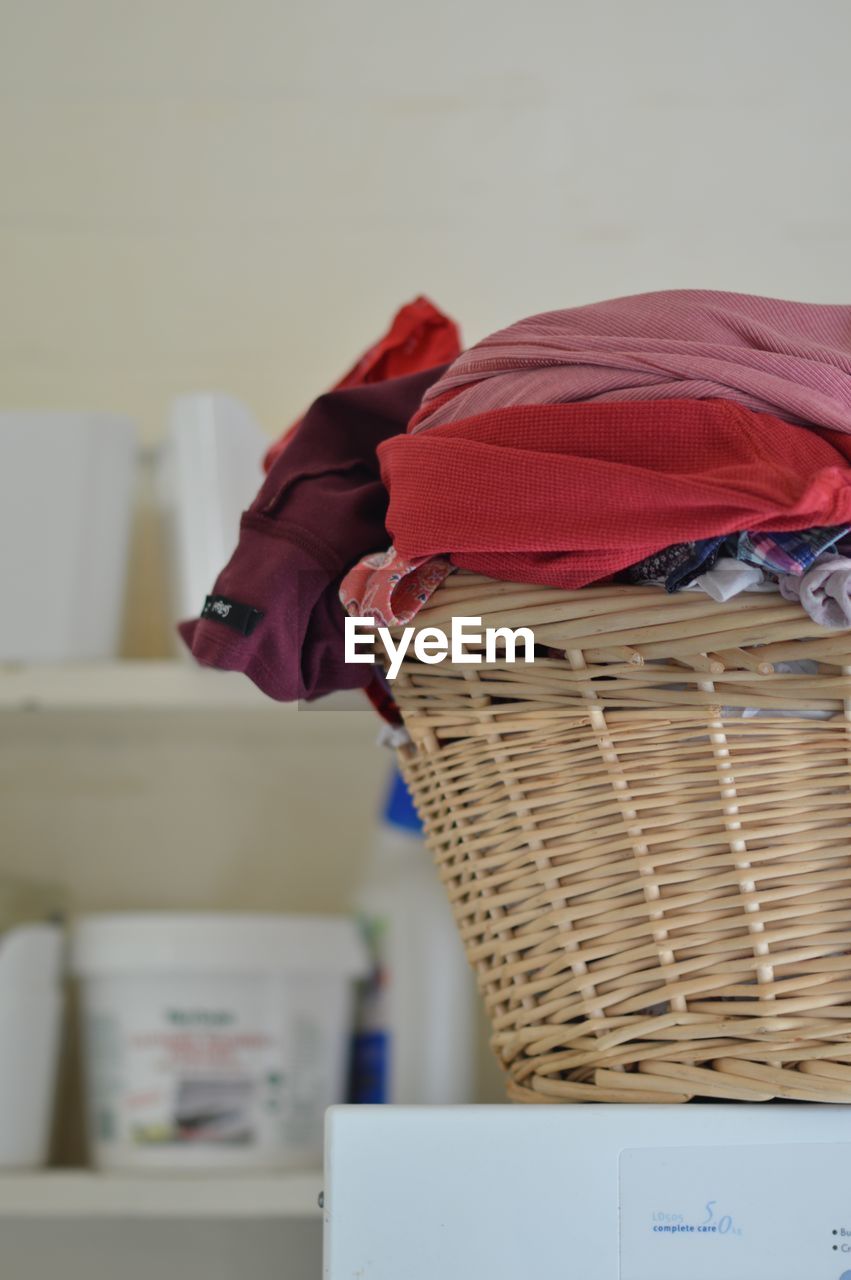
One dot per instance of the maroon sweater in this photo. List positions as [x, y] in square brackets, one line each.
[274, 612]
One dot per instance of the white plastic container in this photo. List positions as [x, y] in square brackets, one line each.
[66, 501]
[210, 467]
[214, 1041]
[30, 1025]
[416, 1034]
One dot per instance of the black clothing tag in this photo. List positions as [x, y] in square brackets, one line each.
[239, 617]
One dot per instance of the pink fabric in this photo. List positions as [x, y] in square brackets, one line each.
[790, 359]
[824, 591]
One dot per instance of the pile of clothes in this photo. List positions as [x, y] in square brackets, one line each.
[694, 439]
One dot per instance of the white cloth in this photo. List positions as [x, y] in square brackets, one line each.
[729, 577]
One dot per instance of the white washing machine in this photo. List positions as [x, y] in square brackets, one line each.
[698, 1192]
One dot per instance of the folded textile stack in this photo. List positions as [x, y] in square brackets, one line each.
[693, 439]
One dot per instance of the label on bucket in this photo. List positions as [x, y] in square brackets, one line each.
[236, 1064]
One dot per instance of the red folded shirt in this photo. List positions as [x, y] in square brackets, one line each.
[567, 494]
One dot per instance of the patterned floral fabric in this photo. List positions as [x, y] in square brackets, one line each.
[655, 569]
[391, 589]
[677, 565]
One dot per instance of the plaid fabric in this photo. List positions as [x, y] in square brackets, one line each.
[786, 552]
[775, 553]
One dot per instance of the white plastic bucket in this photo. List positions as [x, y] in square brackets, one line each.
[214, 1041]
[30, 1024]
[66, 499]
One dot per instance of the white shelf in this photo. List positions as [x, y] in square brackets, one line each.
[83, 1194]
[155, 685]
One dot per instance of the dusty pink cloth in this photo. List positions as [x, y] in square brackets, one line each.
[824, 591]
[790, 359]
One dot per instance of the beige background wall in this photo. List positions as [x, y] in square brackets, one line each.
[236, 195]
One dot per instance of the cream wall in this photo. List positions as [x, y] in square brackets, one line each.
[203, 194]
[237, 193]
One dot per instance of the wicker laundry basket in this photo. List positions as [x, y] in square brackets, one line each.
[654, 890]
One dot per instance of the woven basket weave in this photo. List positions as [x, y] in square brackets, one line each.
[655, 892]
